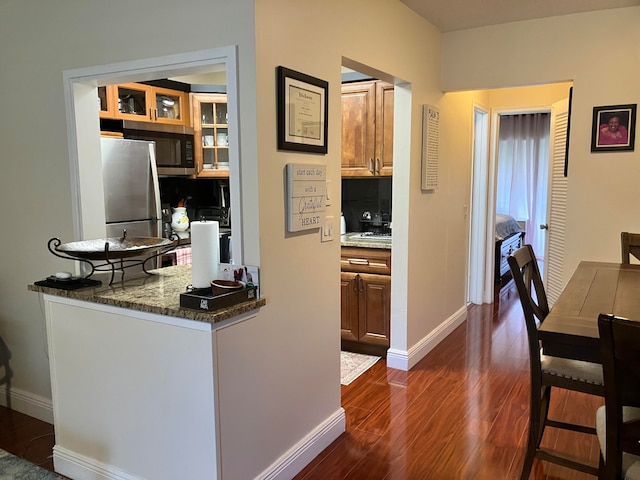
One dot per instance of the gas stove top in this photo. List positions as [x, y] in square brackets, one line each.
[218, 214]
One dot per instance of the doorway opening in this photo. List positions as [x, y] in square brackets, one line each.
[382, 174]
[483, 252]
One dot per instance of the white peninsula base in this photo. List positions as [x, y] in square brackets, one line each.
[134, 393]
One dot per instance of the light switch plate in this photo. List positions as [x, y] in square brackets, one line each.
[326, 232]
[329, 193]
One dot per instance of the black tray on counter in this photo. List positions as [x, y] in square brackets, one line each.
[73, 283]
[204, 299]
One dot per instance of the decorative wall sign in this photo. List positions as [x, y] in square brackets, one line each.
[430, 146]
[303, 107]
[613, 128]
[306, 196]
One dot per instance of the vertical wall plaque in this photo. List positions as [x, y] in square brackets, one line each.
[430, 147]
[306, 196]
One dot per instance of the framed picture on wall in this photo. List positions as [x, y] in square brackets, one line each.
[613, 128]
[303, 106]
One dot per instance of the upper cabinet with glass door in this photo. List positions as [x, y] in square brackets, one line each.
[137, 101]
[211, 134]
[107, 101]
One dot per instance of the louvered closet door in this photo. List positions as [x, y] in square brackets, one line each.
[557, 202]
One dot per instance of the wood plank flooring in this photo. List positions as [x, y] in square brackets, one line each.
[26, 437]
[460, 413]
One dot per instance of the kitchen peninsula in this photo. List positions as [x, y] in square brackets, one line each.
[135, 378]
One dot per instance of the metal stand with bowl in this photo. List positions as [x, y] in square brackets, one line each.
[109, 255]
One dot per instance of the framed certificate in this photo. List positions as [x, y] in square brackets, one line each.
[302, 112]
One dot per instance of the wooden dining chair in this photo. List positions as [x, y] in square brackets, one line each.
[618, 421]
[630, 243]
[547, 371]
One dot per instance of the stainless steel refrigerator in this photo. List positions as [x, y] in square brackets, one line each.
[131, 189]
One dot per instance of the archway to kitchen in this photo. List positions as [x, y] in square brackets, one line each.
[386, 209]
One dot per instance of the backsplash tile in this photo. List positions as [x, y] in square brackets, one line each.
[365, 194]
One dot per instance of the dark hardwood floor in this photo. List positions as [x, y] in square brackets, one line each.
[460, 413]
[26, 437]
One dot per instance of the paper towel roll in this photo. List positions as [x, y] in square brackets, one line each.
[205, 253]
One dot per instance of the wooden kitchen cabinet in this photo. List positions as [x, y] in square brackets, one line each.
[366, 300]
[144, 103]
[211, 134]
[107, 101]
[367, 129]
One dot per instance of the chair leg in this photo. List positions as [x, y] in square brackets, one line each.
[529, 455]
[545, 401]
[601, 475]
[538, 408]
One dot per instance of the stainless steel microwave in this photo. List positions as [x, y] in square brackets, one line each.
[174, 145]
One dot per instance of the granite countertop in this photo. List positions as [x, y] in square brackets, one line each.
[158, 293]
[351, 240]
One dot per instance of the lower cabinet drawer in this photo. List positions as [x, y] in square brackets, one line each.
[365, 260]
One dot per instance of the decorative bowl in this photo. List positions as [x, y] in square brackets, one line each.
[114, 248]
[220, 287]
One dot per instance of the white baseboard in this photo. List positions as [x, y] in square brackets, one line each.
[301, 454]
[404, 360]
[79, 467]
[28, 403]
[72, 465]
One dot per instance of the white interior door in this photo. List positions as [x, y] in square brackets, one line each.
[556, 202]
[478, 235]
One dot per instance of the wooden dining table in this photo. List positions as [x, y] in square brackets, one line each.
[571, 327]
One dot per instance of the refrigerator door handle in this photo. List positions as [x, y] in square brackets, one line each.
[156, 189]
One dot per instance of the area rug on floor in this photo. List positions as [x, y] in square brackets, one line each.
[12, 468]
[352, 365]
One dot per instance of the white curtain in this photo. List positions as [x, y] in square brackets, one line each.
[523, 165]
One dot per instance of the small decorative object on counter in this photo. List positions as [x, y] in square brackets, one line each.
[220, 287]
[343, 225]
[180, 220]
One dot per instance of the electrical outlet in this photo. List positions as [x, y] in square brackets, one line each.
[326, 232]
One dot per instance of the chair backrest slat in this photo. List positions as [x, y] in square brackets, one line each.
[620, 350]
[630, 245]
[533, 298]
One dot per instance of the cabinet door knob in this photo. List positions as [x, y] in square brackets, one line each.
[377, 166]
[371, 167]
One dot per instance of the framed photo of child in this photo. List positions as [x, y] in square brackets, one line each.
[613, 128]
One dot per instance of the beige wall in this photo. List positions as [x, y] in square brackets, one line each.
[600, 53]
[286, 359]
[287, 380]
[533, 96]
